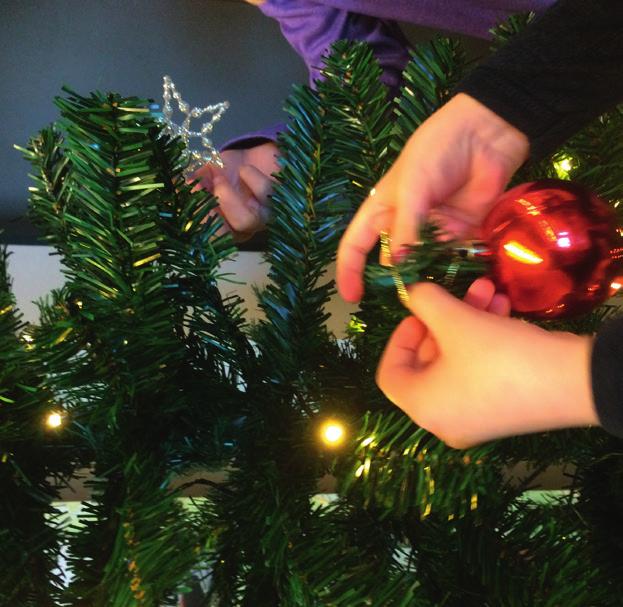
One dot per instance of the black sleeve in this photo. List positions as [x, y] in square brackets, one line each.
[553, 78]
[607, 376]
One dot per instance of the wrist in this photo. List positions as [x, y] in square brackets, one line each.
[493, 132]
[570, 384]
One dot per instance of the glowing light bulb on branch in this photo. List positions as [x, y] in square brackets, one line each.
[28, 341]
[563, 166]
[54, 420]
[332, 433]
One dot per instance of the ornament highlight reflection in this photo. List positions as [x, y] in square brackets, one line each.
[518, 252]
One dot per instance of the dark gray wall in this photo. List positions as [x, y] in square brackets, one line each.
[213, 50]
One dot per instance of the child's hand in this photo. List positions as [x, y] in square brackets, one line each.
[454, 167]
[243, 187]
[469, 376]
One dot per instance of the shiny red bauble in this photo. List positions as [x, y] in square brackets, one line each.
[555, 248]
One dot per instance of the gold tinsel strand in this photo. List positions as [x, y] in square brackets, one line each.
[403, 294]
[136, 581]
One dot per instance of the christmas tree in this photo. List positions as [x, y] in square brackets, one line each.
[156, 374]
[33, 465]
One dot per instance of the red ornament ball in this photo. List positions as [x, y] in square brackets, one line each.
[556, 250]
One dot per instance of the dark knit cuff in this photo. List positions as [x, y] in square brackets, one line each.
[557, 75]
[543, 127]
[607, 376]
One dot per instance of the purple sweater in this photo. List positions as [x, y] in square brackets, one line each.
[311, 26]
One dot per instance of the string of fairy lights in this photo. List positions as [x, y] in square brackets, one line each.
[333, 432]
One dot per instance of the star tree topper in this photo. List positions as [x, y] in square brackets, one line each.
[197, 158]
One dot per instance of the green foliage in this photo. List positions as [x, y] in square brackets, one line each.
[139, 346]
[157, 376]
[273, 490]
[33, 464]
[504, 32]
[436, 67]
[151, 544]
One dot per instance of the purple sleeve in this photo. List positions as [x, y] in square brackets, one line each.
[308, 24]
[254, 138]
[311, 28]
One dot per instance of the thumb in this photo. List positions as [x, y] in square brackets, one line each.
[402, 359]
[436, 308]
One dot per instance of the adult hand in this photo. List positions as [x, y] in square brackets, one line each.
[470, 376]
[453, 167]
[243, 187]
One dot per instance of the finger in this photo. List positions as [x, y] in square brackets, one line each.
[437, 309]
[240, 210]
[401, 360]
[260, 185]
[500, 305]
[411, 208]
[204, 176]
[480, 294]
[371, 219]
[453, 223]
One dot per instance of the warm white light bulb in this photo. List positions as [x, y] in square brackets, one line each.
[332, 433]
[563, 167]
[54, 420]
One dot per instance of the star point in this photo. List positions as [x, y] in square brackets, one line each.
[196, 157]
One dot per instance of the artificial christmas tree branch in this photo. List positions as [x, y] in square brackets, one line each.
[31, 451]
[158, 374]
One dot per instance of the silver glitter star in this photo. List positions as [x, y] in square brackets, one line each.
[196, 158]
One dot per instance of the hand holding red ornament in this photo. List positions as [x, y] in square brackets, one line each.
[455, 166]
